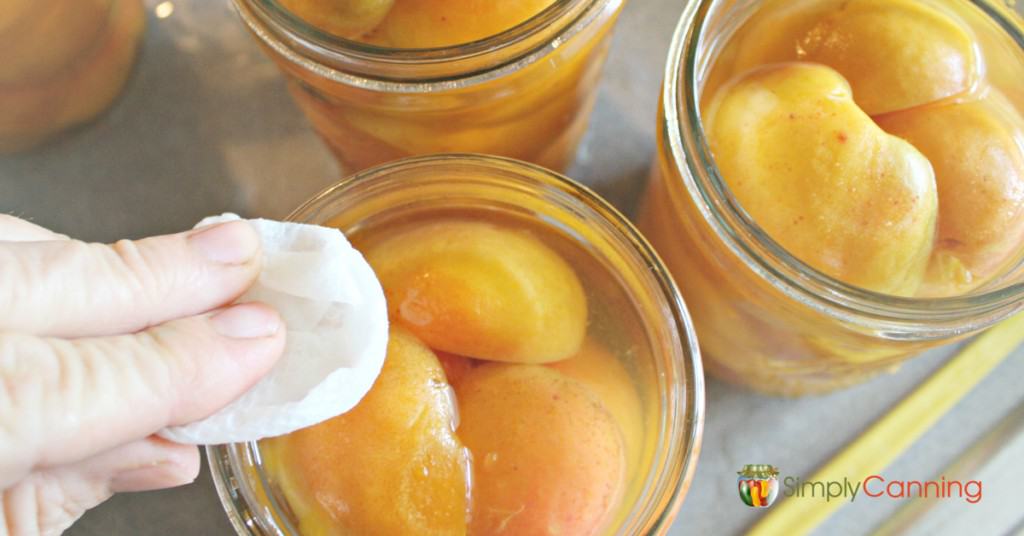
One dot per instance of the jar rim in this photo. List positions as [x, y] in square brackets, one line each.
[680, 384]
[419, 70]
[892, 316]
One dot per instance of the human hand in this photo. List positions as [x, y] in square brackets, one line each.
[102, 346]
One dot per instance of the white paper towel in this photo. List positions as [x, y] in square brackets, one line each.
[334, 309]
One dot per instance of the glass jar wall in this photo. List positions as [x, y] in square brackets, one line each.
[636, 329]
[524, 93]
[766, 319]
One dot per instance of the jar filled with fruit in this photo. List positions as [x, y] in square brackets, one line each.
[840, 183]
[385, 79]
[541, 375]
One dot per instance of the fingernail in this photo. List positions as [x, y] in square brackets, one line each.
[246, 321]
[233, 242]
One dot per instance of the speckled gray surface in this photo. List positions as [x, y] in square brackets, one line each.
[206, 126]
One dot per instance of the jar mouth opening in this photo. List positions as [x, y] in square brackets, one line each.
[680, 378]
[518, 32]
[691, 154]
[360, 64]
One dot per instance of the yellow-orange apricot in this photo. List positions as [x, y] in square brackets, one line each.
[30, 114]
[547, 456]
[51, 38]
[391, 465]
[456, 367]
[440, 23]
[479, 290]
[344, 18]
[596, 368]
[13, 12]
[896, 54]
[977, 150]
[822, 179]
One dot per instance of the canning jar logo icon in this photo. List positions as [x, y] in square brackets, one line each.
[758, 485]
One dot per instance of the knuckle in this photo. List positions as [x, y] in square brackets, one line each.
[164, 362]
[176, 366]
[20, 390]
[130, 266]
[48, 503]
[63, 498]
[34, 377]
[18, 275]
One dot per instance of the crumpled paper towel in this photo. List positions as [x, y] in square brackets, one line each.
[337, 321]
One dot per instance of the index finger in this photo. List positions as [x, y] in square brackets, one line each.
[14, 229]
[73, 289]
[63, 401]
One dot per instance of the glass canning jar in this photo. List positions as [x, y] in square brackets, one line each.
[634, 308]
[525, 93]
[764, 318]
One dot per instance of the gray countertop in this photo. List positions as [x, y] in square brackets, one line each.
[206, 126]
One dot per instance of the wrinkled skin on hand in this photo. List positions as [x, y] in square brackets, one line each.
[822, 179]
[102, 346]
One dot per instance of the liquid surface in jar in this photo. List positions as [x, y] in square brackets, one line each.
[415, 23]
[879, 141]
[516, 396]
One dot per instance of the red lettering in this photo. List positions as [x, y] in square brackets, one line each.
[899, 488]
[866, 480]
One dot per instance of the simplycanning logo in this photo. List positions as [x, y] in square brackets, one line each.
[759, 486]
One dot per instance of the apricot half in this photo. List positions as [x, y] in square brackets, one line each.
[822, 179]
[896, 54]
[977, 150]
[343, 18]
[56, 35]
[597, 369]
[12, 12]
[440, 23]
[30, 114]
[393, 464]
[479, 290]
[456, 367]
[547, 456]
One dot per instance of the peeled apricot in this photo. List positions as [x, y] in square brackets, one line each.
[344, 18]
[479, 290]
[29, 114]
[440, 23]
[51, 38]
[13, 11]
[597, 369]
[822, 179]
[391, 465]
[977, 150]
[455, 367]
[548, 457]
[896, 54]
